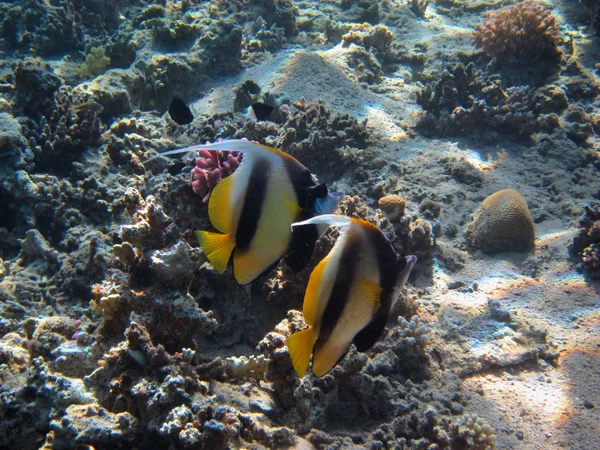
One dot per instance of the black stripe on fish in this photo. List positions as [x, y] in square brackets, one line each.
[303, 240]
[389, 268]
[302, 244]
[344, 278]
[254, 199]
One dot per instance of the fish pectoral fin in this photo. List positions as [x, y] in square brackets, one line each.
[371, 293]
[217, 247]
[292, 206]
[300, 345]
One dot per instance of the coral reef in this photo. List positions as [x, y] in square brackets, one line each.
[116, 333]
[585, 247]
[42, 28]
[328, 144]
[502, 224]
[524, 31]
[466, 101]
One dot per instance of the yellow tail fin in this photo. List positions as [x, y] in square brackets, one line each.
[300, 346]
[217, 247]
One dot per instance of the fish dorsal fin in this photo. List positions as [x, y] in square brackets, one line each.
[217, 247]
[219, 205]
[300, 345]
[329, 219]
[371, 293]
[232, 145]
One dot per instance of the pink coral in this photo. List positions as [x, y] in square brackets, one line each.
[212, 167]
[525, 30]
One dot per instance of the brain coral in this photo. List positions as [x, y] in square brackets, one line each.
[502, 224]
[526, 30]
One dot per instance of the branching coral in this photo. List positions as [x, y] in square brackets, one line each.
[95, 63]
[73, 125]
[415, 333]
[212, 167]
[253, 366]
[527, 30]
[418, 6]
[464, 100]
[586, 245]
[476, 432]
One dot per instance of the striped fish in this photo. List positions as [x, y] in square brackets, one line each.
[253, 210]
[349, 294]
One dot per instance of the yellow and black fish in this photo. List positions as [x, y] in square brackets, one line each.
[349, 294]
[253, 210]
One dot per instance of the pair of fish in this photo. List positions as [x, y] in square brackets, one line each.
[272, 206]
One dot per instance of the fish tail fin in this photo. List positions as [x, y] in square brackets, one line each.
[300, 345]
[217, 247]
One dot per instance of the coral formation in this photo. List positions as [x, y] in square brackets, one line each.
[414, 332]
[475, 432]
[466, 101]
[116, 333]
[328, 144]
[524, 31]
[212, 167]
[502, 224]
[393, 206]
[95, 63]
[586, 244]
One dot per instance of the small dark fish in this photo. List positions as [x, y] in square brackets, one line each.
[262, 110]
[180, 112]
[90, 105]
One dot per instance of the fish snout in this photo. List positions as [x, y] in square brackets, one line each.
[411, 260]
[329, 203]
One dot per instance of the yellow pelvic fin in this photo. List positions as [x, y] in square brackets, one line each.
[300, 345]
[220, 207]
[325, 358]
[247, 267]
[217, 247]
[371, 293]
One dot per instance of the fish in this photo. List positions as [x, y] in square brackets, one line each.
[90, 105]
[349, 295]
[180, 112]
[253, 209]
[262, 110]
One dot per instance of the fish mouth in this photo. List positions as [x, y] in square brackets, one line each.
[411, 260]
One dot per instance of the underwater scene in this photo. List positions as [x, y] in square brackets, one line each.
[280, 224]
